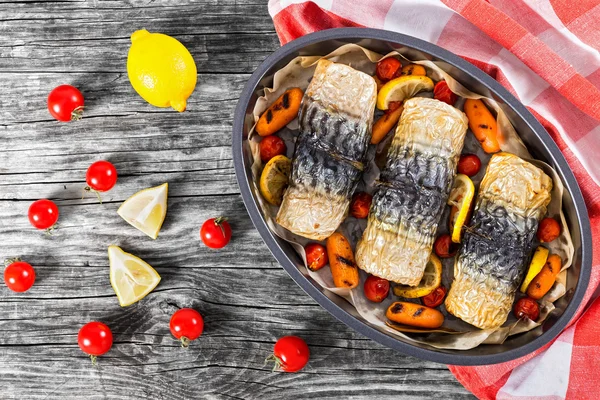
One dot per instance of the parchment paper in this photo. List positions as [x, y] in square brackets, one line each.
[454, 334]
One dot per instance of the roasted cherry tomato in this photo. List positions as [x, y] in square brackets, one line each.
[435, 298]
[186, 325]
[469, 164]
[101, 176]
[527, 307]
[95, 339]
[216, 232]
[19, 276]
[270, 147]
[65, 103]
[442, 92]
[548, 230]
[444, 247]
[376, 289]
[43, 214]
[361, 203]
[387, 68]
[316, 256]
[290, 354]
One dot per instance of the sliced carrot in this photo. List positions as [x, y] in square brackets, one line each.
[280, 113]
[483, 124]
[543, 282]
[341, 261]
[414, 315]
[414, 69]
[384, 125]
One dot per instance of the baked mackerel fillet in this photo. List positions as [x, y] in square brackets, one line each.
[412, 191]
[513, 196]
[335, 130]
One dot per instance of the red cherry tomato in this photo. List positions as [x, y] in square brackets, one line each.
[387, 68]
[101, 176]
[434, 298]
[43, 214]
[444, 247]
[290, 354]
[186, 325]
[548, 230]
[216, 232]
[376, 289]
[527, 308]
[95, 339]
[469, 164]
[19, 276]
[65, 103]
[270, 147]
[442, 92]
[360, 205]
[316, 256]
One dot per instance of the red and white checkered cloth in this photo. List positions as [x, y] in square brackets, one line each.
[545, 52]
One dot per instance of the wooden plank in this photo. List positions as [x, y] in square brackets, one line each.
[247, 299]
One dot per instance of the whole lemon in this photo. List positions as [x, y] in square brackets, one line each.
[161, 69]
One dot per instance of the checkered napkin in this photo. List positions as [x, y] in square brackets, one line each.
[546, 53]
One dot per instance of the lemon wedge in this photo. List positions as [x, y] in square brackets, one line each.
[402, 88]
[432, 278]
[537, 263]
[146, 210]
[274, 179]
[130, 276]
[460, 199]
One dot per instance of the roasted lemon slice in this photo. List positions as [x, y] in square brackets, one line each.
[537, 263]
[461, 197]
[274, 179]
[146, 210]
[131, 277]
[402, 88]
[432, 278]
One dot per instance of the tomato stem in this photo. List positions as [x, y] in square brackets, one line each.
[93, 358]
[77, 114]
[89, 189]
[185, 342]
[219, 222]
[276, 360]
[50, 231]
[9, 261]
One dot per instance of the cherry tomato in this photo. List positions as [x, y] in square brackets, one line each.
[548, 230]
[387, 68]
[19, 275]
[270, 147]
[527, 307]
[442, 92]
[444, 247]
[216, 232]
[360, 205]
[65, 103]
[95, 339]
[290, 354]
[376, 289]
[101, 176]
[316, 256]
[434, 298]
[469, 164]
[43, 214]
[186, 325]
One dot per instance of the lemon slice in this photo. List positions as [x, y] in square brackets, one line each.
[432, 278]
[146, 210]
[460, 200]
[131, 277]
[402, 88]
[274, 179]
[537, 263]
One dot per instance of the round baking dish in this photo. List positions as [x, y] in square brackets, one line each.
[539, 143]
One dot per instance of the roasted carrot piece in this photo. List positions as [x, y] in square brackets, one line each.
[414, 315]
[383, 125]
[414, 69]
[542, 283]
[280, 113]
[341, 261]
[483, 124]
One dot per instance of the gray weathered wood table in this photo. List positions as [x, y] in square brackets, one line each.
[247, 299]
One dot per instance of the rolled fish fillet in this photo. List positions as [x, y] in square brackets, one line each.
[513, 196]
[412, 191]
[335, 130]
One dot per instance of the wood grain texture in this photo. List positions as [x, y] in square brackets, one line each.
[247, 299]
